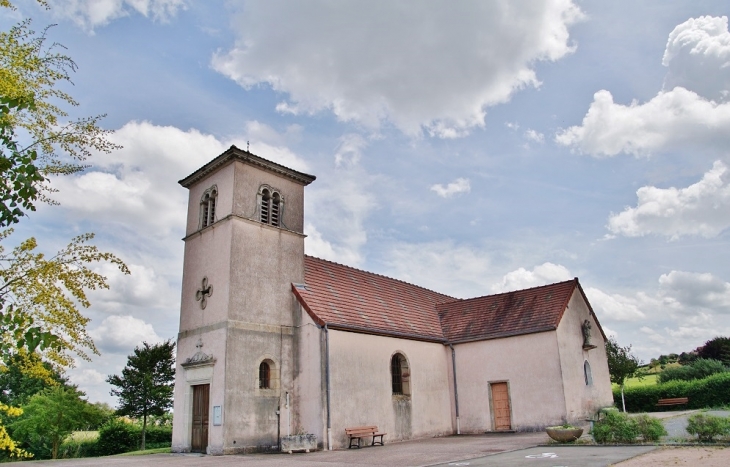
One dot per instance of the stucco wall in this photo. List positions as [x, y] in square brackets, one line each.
[582, 401]
[530, 364]
[361, 390]
[308, 413]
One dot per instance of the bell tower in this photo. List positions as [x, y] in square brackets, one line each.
[244, 247]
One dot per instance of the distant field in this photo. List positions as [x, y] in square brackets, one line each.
[648, 380]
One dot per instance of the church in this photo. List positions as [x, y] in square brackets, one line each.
[273, 342]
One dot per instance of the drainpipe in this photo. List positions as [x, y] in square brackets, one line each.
[456, 389]
[327, 377]
[288, 416]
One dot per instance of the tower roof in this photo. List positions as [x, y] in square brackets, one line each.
[234, 153]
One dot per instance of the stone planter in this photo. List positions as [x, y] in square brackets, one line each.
[564, 435]
[293, 443]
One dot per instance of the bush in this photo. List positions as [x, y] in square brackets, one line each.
[158, 435]
[116, 437]
[698, 369]
[77, 448]
[707, 426]
[702, 393]
[616, 427]
[650, 428]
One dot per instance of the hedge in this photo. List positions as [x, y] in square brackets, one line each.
[713, 391]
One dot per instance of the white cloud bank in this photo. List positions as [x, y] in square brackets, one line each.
[701, 209]
[698, 57]
[120, 334]
[89, 14]
[460, 185]
[543, 274]
[434, 65]
[691, 111]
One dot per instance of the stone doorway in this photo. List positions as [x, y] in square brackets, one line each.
[501, 407]
[201, 403]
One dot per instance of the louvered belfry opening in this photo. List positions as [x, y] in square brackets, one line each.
[211, 206]
[275, 203]
[265, 206]
[204, 206]
[207, 207]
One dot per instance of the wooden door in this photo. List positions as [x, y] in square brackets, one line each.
[201, 401]
[500, 407]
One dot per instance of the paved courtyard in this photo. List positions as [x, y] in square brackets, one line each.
[509, 449]
[477, 450]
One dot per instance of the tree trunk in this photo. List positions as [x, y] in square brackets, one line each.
[623, 402]
[144, 429]
[54, 449]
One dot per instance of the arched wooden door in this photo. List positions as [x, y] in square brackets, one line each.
[201, 402]
[500, 407]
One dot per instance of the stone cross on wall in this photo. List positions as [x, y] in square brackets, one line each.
[205, 290]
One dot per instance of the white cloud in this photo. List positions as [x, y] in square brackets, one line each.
[89, 14]
[350, 149]
[338, 206]
[435, 66]
[121, 334]
[457, 270]
[696, 290]
[700, 209]
[671, 119]
[614, 307]
[543, 274]
[534, 136]
[698, 57]
[460, 185]
[693, 109]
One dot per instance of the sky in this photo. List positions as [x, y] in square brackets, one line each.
[468, 147]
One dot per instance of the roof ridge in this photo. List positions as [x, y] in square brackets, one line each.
[383, 276]
[461, 300]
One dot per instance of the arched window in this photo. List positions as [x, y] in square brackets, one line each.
[587, 372]
[207, 207]
[264, 376]
[400, 375]
[271, 206]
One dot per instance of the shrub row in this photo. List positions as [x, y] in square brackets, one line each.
[702, 393]
[698, 369]
[116, 437]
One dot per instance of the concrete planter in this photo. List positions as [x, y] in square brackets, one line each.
[293, 443]
[564, 435]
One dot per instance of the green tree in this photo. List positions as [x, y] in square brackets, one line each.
[19, 380]
[39, 296]
[622, 364]
[716, 349]
[50, 416]
[147, 383]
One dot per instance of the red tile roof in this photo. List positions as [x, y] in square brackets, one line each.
[507, 314]
[345, 297]
[351, 299]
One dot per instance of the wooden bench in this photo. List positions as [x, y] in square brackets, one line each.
[674, 401]
[359, 432]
